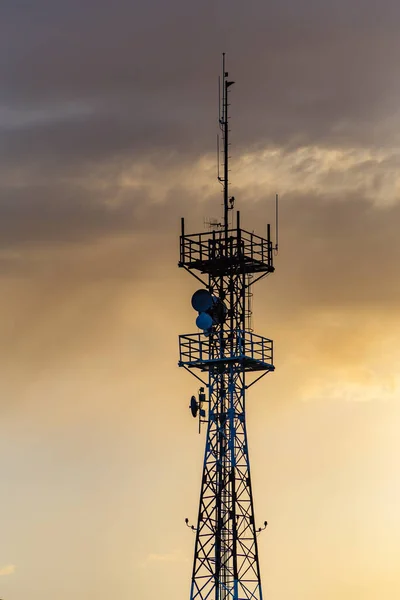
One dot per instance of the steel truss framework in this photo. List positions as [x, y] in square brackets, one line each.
[226, 565]
[226, 558]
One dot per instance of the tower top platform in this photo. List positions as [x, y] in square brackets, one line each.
[222, 251]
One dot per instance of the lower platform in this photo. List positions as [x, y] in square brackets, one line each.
[245, 348]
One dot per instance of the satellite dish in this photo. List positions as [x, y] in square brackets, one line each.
[202, 301]
[204, 321]
[194, 407]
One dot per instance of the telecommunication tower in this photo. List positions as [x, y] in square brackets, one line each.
[228, 261]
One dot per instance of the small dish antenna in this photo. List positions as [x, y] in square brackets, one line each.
[204, 321]
[196, 407]
[212, 311]
[202, 300]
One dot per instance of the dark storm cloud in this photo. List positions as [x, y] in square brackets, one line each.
[306, 71]
[89, 139]
[52, 213]
[141, 81]
[347, 254]
[336, 258]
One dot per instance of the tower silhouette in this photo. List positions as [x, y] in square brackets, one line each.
[227, 357]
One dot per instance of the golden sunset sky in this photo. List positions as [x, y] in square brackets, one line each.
[108, 120]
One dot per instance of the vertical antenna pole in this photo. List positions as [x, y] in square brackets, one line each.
[219, 99]
[226, 158]
[276, 221]
[225, 123]
[182, 240]
[218, 177]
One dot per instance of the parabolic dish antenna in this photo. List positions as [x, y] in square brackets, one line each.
[194, 407]
[204, 321]
[202, 301]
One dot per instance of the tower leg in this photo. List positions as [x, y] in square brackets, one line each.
[226, 563]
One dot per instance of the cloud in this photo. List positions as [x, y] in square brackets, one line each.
[315, 77]
[341, 173]
[7, 570]
[74, 253]
[107, 136]
[98, 163]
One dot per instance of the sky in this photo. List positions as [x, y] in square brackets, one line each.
[108, 122]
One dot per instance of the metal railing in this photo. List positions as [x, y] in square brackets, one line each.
[214, 245]
[196, 349]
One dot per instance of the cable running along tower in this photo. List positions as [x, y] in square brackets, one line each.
[228, 358]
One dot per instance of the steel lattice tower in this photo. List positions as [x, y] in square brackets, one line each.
[228, 261]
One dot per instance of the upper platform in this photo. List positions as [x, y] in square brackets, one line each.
[219, 251]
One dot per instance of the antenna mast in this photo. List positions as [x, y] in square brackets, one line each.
[224, 126]
[228, 358]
